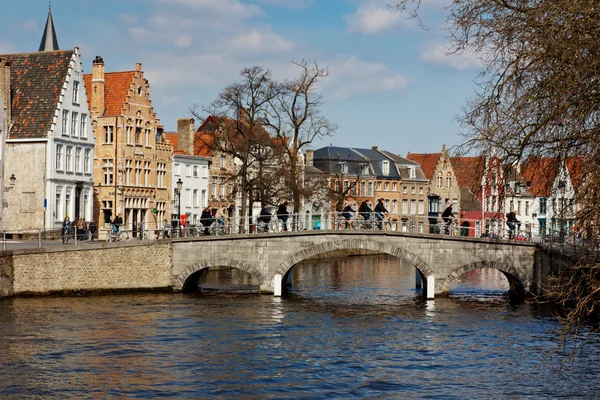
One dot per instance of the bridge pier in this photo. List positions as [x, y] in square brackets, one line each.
[277, 281]
[418, 280]
[430, 287]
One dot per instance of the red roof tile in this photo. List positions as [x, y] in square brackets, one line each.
[469, 172]
[36, 81]
[117, 86]
[540, 174]
[428, 162]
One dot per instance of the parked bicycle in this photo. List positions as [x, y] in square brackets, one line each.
[67, 234]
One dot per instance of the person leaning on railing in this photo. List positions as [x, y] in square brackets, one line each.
[117, 222]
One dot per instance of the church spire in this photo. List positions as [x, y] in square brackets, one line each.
[49, 40]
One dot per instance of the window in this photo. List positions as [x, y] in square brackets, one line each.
[370, 189]
[59, 157]
[58, 204]
[343, 167]
[108, 134]
[87, 158]
[395, 206]
[405, 189]
[76, 92]
[214, 187]
[394, 186]
[404, 206]
[203, 198]
[138, 173]
[78, 159]
[222, 164]
[346, 186]
[439, 180]
[413, 207]
[421, 207]
[128, 169]
[147, 134]
[421, 190]
[222, 188]
[68, 159]
[147, 171]
[378, 185]
[74, 124]
[385, 167]
[107, 169]
[413, 190]
[363, 187]
[176, 169]
[420, 227]
[83, 125]
[365, 170]
[412, 173]
[387, 186]
[519, 207]
[449, 181]
[129, 133]
[543, 205]
[526, 208]
[65, 123]
[68, 200]
[195, 171]
[160, 174]
[195, 198]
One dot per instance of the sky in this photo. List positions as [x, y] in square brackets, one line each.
[391, 83]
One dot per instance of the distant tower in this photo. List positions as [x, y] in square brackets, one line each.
[49, 40]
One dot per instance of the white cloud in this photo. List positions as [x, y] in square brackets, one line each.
[440, 54]
[351, 76]
[374, 17]
[233, 8]
[259, 41]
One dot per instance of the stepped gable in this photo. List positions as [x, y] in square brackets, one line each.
[117, 87]
[36, 80]
[428, 161]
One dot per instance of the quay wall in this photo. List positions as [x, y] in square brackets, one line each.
[110, 266]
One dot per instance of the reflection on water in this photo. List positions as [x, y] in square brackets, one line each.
[352, 328]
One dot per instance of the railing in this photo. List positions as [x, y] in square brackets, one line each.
[418, 224]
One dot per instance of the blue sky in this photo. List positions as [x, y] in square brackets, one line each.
[390, 84]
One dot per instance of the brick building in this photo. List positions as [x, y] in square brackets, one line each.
[132, 165]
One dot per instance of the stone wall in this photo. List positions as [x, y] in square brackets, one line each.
[118, 266]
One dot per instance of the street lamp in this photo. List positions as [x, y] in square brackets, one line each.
[179, 187]
[12, 181]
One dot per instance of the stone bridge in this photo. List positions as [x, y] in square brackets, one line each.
[439, 260]
[178, 264]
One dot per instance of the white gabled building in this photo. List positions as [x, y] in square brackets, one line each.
[192, 170]
[50, 147]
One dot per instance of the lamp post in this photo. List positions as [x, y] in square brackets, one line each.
[179, 187]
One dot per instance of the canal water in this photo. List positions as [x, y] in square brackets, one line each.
[347, 328]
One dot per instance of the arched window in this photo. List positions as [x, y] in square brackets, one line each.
[448, 180]
[439, 180]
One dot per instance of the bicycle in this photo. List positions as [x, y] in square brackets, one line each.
[216, 228]
[67, 234]
[389, 224]
[295, 225]
[113, 236]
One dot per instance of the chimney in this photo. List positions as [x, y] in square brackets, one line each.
[310, 155]
[98, 88]
[138, 66]
[5, 87]
[375, 148]
[443, 148]
[185, 131]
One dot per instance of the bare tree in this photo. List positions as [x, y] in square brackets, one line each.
[239, 110]
[294, 118]
[538, 98]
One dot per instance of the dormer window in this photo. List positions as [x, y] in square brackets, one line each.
[385, 167]
[365, 169]
[412, 173]
[343, 167]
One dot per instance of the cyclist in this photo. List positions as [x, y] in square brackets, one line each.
[206, 219]
[380, 213]
[364, 210]
[347, 213]
[447, 216]
[283, 215]
[511, 220]
[117, 222]
[265, 217]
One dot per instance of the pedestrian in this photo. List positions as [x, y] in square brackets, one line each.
[117, 222]
[142, 230]
[66, 225]
[265, 217]
[81, 229]
[93, 229]
[511, 220]
[283, 215]
[166, 229]
[206, 219]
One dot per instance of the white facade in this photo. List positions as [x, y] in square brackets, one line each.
[193, 172]
[70, 153]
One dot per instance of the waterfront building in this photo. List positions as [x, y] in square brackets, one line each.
[3, 134]
[191, 170]
[50, 146]
[443, 188]
[413, 201]
[132, 166]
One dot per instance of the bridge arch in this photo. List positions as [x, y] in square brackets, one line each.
[355, 244]
[183, 280]
[517, 281]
